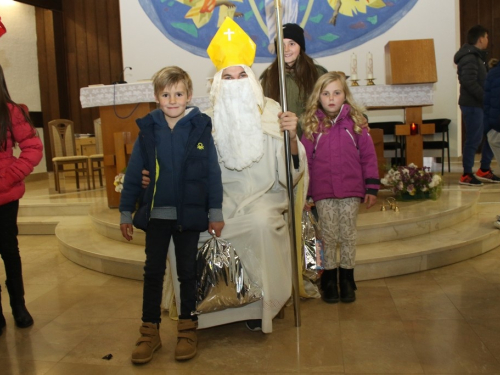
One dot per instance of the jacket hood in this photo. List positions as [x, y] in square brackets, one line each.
[157, 116]
[467, 49]
[344, 111]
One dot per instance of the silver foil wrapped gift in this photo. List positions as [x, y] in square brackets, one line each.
[222, 279]
[312, 246]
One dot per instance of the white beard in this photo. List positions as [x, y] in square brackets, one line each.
[237, 123]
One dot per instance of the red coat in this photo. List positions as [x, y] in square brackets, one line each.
[14, 170]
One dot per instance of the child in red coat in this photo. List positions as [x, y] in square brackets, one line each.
[15, 127]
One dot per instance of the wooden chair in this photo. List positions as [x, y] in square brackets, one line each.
[98, 157]
[62, 143]
[397, 143]
[442, 126]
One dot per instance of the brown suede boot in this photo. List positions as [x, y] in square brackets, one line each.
[147, 344]
[186, 339]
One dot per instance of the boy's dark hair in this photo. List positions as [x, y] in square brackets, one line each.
[169, 76]
[475, 33]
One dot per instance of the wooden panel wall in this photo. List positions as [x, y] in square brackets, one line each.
[485, 13]
[77, 47]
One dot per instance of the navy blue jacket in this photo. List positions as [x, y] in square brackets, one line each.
[189, 178]
[492, 100]
[471, 70]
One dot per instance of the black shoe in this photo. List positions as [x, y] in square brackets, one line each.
[329, 286]
[254, 325]
[347, 285]
[22, 317]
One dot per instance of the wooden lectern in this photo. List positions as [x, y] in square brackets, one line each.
[118, 134]
[119, 107]
[412, 62]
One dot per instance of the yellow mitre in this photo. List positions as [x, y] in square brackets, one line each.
[231, 46]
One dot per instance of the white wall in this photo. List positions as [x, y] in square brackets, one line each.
[149, 50]
[19, 60]
[18, 53]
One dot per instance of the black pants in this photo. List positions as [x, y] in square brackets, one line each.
[9, 248]
[158, 237]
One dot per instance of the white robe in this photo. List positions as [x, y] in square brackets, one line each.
[255, 200]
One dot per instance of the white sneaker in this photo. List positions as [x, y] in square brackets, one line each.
[497, 224]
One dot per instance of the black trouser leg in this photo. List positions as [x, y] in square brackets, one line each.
[157, 240]
[9, 248]
[158, 237]
[186, 248]
[12, 261]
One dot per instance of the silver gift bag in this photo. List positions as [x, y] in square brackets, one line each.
[312, 246]
[222, 279]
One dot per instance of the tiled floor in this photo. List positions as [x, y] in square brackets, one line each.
[443, 321]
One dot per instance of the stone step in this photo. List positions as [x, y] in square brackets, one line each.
[461, 241]
[28, 207]
[29, 225]
[414, 218]
[81, 243]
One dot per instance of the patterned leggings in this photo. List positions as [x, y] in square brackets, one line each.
[337, 218]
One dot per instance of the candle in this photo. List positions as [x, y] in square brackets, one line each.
[369, 66]
[413, 129]
[354, 67]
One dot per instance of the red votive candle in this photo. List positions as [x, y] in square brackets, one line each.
[413, 129]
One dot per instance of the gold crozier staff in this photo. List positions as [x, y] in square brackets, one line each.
[288, 157]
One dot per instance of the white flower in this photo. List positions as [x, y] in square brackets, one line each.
[119, 180]
[436, 180]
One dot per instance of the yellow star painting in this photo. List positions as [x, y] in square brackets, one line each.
[352, 7]
[201, 10]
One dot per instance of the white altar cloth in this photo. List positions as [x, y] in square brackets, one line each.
[370, 96]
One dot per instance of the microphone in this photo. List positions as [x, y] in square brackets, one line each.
[122, 76]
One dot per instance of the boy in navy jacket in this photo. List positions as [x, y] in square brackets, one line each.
[175, 144]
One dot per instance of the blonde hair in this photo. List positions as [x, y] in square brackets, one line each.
[310, 122]
[170, 76]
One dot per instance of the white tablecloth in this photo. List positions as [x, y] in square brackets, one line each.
[369, 96]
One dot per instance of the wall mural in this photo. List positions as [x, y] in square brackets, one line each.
[331, 26]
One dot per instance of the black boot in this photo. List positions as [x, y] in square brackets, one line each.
[2, 318]
[329, 286]
[347, 285]
[22, 317]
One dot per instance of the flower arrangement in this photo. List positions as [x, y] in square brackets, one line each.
[119, 179]
[413, 182]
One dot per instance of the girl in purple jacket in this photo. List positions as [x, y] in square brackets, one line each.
[343, 172]
[15, 128]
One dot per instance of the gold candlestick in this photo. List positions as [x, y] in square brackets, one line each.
[370, 82]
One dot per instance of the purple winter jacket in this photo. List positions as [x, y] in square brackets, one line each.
[341, 163]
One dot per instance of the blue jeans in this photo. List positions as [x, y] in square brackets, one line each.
[158, 236]
[474, 133]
